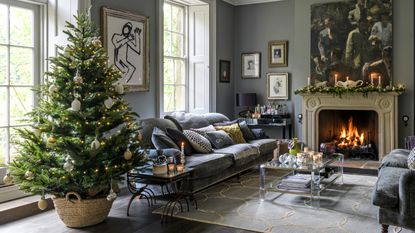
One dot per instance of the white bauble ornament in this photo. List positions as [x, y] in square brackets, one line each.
[68, 166]
[78, 78]
[97, 43]
[67, 51]
[42, 204]
[109, 103]
[76, 105]
[7, 179]
[119, 88]
[37, 132]
[95, 144]
[29, 175]
[128, 154]
[112, 195]
[53, 88]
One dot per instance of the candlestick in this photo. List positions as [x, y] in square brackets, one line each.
[380, 81]
[308, 81]
[182, 147]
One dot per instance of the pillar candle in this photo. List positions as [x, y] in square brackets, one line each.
[182, 148]
[380, 81]
[308, 81]
[347, 78]
[335, 79]
[371, 79]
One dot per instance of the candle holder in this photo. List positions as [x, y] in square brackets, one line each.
[171, 167]
[180, 167]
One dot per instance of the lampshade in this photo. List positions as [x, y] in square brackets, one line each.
[245, 99]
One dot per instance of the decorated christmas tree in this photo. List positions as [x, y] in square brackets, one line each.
[85, 136]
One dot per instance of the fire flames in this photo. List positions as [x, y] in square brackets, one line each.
[350, 136]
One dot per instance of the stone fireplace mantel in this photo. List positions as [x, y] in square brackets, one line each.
[384, 104]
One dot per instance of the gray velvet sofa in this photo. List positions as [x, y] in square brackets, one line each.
[394, 191]
[223, 163]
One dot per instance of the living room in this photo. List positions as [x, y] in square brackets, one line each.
[204, 64]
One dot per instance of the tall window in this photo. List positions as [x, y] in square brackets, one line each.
[175, 57]
[19, 68]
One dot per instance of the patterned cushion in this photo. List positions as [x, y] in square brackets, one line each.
[219, 139]
[411, 159]
[234, 132]
[198, 142]
[161, 140]
[202, 131]
[179, 138]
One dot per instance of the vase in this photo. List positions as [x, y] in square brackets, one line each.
[78, 213]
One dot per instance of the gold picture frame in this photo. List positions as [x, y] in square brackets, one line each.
[125, 36]
[278, 53]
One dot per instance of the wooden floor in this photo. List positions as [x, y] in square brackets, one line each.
[141, 220]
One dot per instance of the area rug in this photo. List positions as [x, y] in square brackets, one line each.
[343, 208]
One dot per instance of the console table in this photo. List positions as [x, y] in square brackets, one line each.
[284, 123]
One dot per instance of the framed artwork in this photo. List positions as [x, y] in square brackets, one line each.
[224, 71]
[125, 36]
[277, 86]
[251, 65]
[278, 53]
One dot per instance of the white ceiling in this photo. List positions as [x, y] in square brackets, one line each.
[247, 2]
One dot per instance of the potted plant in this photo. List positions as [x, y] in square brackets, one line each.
[85, 136]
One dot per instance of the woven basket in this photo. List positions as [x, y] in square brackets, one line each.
[81, 213]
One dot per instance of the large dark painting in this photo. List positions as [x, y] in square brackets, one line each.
[352, 39]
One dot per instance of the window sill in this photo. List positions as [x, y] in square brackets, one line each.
[11, 192]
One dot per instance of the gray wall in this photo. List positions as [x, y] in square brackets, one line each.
[224, 51]
[257, 24]
[144, 103]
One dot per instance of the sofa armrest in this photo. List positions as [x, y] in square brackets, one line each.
[407, 193]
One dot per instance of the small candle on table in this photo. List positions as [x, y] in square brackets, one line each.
[308, 81]
[380, 81]
[347, 78]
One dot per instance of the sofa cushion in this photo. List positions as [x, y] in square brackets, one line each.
[161, 141]
[246, 131]
[386, 191]
[202, 131]
[214, 117]
[175, 122]
[205, 165]
[190, 120]
[147, 127]
[242, 153]
[179, 138]
[265, 146]
[198, 142]
[411, 159]
[396, 158]
[219, 139]
[234, 132]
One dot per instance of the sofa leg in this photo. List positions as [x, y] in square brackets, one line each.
[385, 228]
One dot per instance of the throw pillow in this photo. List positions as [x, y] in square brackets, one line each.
[411, 159]
[161, 141]
[175, 122]
[179, 138]
[202, 131]
[234, 131]
[219, 139]
[198, 142]
[246, 131]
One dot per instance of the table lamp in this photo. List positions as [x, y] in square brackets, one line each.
[245, 100]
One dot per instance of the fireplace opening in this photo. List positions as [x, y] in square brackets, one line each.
[353, 133]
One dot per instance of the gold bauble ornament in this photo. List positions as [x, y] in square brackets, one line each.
[95, 144]
[97, 43]
[128, 154]
[42, 204]
[109, 103]
[78, 78]
[29, 175]
[7, 179]
[52, 89]
[51, 140]
[139, 136]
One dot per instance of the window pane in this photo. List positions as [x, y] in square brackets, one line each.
[3, 106]
[4, 25]
[179, 72]
[177, 45]
[167, 44]
[168, 71]
[21, 66]
[4, 140]
[177, 19]
[168, 98]
[180, 98]
[3, 64]
[21, 26]
[167, 16]
[21, 102]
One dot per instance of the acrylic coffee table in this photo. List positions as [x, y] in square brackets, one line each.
[322, 175]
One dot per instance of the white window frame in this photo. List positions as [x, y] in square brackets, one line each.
[184, 58]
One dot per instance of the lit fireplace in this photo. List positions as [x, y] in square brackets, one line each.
[352, 133]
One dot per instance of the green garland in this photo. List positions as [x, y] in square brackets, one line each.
[339, 91]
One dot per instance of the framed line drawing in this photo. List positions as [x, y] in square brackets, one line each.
[125, 36]
[251, 65]
[278, 53]
[277, 86]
